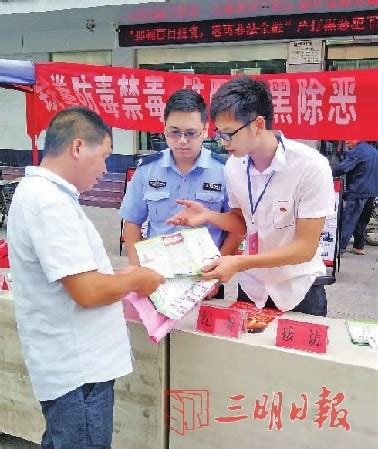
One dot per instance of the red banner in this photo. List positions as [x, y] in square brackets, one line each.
[315, 105]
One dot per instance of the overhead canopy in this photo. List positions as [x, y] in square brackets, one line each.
[16, 72]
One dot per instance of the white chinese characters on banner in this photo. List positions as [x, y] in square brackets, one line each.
[307, 101]
[343, 100]
[129, 92]
[47, 95]
[194, 84]
[155, 91]
[60, 84]
[106, 92]
[280, 90]
[215, 85]
[83, 91]
[310, 102]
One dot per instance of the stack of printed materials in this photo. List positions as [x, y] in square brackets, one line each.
[363, 333]
[257, 319]
[179, 257]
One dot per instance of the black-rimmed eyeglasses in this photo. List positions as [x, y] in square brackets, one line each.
[227, 137]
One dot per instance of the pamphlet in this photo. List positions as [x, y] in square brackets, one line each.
[257, 319]
[363, 332]
[179, 257]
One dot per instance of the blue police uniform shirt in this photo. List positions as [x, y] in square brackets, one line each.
[157, 184]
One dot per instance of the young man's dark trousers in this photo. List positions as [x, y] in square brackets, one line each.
[314, 302]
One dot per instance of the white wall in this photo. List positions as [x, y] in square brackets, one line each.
[12, 121]
[12, 111]
[213, 53]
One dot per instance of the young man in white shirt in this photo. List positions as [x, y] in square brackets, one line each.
[280, 192]
[69, 316]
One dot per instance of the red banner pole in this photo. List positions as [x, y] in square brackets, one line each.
[31, 124]
[35, 153]
[35, 158]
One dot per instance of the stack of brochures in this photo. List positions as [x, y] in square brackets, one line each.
[363, 333]
[179, 257]
[257, 319]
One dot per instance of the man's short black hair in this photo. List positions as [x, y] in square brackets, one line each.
[74, 123]
[186, 100]
[244, 98]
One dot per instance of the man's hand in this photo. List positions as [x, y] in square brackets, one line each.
[194, 214]
[94, 289]
[146, 280]
[222, 269]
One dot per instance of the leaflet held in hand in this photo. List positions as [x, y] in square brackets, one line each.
[179, 257]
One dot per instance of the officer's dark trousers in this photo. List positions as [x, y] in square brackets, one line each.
[356, 216]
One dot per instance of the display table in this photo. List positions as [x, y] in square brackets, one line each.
[139, 397]
[217, 368]
[253, 366]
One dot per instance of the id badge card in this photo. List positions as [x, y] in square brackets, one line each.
[253, 242]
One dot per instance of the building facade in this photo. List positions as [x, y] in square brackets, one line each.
[217, 37]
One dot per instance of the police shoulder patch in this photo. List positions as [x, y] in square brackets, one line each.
[222, 158]
[148, 159]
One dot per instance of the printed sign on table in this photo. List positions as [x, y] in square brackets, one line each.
[221, 321]
[302, 335]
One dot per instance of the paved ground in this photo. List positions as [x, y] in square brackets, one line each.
[353, 296]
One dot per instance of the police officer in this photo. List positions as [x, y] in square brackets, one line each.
[184, 170]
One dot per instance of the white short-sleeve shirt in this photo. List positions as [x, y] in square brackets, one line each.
[301, 187]
[50, 237]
